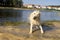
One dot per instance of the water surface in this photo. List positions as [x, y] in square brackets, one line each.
[22, 15]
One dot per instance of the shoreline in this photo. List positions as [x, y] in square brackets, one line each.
[18, 8]
[14, 8]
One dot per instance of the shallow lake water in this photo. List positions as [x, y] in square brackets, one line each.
[22, 15]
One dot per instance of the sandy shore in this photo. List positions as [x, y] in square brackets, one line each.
[21, 32]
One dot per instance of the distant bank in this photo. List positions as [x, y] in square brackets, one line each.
[14, 8]
[18, 8]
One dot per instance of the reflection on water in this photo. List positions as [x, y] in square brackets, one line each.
[22, 15]
[10, 15]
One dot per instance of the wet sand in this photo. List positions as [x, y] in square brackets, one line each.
[21, 32]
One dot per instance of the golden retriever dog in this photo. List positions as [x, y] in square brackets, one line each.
[35, 20]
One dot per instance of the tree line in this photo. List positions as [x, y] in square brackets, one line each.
[11, 3]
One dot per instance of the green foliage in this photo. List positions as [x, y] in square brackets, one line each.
[11, 3]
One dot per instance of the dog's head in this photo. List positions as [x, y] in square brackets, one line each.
[36, 13]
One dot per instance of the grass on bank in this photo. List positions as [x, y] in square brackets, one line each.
[19, 23]
[12, 23]
[49, 23]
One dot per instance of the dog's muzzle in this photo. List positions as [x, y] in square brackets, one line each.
[35, 17]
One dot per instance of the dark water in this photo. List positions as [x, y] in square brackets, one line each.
[22, 15]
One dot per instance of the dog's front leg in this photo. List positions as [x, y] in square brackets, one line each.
[31, 26]
[41, 29]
